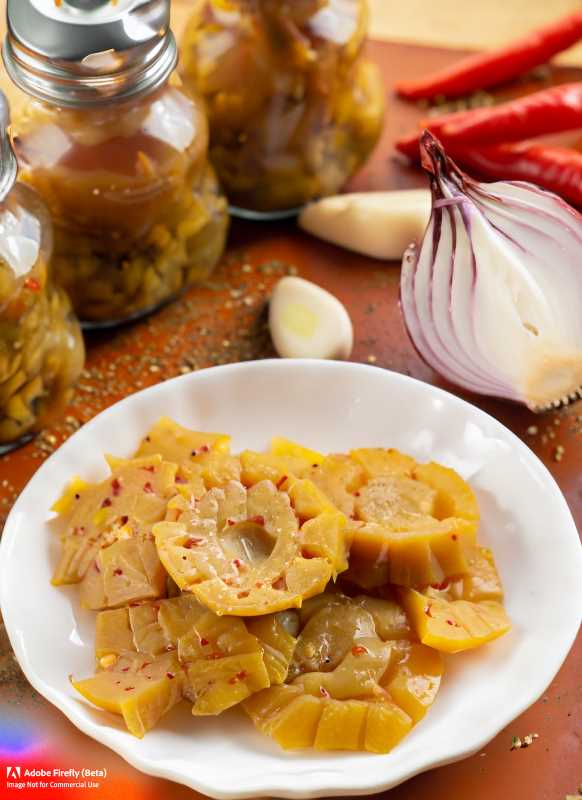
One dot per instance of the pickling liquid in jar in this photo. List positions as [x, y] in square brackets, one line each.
[41, 346]
[294, 108]
[137, 211]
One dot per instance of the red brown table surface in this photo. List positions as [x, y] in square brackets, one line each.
[224, 321]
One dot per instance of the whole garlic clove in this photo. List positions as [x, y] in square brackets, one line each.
[306, 321]
[377, 224]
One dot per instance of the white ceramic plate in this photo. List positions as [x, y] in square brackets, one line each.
[329, 406]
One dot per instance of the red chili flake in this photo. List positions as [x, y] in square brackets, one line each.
[129, 688]
[118, 571]
[116, 487]
[323, 692]
[441, 586]
[242, 595]
[240, 676]
[96, 566]
[204, 642]
[124, 519]
[125, 669]
[315, 466]
[77, 497]
[427, 611]
[258, 519]
[259, 584]
[147, 487]
[145, 664]
[149, 469]
[281, 481]
[147, 439]
[118, 683]
[306, 554]
[237, 562]
[280, 583]
[356, 494]
[134, 605]
[205, 448]
[180, 479]
[358, 650]
[32, 284]
[228, 581]
[215, 655]
[106, 503]
[193, 541]
[452, 622]
[454, 537]
[170, 675]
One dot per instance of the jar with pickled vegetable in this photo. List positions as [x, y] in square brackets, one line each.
[41, 347]
[118, 150]
[294, 107]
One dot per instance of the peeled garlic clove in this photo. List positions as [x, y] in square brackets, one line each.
[308, 322]
[377, 224]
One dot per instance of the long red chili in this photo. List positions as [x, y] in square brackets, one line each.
[558, 169]
[552, 110]
[484, 70]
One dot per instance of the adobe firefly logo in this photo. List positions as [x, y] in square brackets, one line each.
[13, 772]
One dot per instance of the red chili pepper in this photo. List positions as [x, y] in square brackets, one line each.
[258, 519]
[552, 110]
[484, 70]
[358, 650]
[558, 169]
[32, 284]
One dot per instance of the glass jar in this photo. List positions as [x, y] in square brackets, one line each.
[294, 107]
[41, 347]
[137, 210]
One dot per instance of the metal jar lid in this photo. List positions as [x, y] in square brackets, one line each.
[85, 53]
[8, 163]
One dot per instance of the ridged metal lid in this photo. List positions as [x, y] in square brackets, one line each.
[8, 163]
[88, 52]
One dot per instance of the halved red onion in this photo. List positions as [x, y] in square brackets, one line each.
[492, 296]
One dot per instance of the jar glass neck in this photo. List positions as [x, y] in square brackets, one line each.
[97, 80]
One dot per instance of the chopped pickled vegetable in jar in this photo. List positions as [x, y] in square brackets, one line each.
[294, 108]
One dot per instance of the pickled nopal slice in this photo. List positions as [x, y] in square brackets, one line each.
[127, 571]
[378, 462]
[126, 504]
[178, 444]
[454, 496]
[414, 678]
[207, 453]
[339, 477]
[277, 645]
[138, 688]
[148, 627]
[395, 501]
[223, 664]
[350, 688]
[240, 551]
[285, 447]
[481, 581]
[113, 634]
[454, 625]
[256, 467]
[430, 552]
[218, 685]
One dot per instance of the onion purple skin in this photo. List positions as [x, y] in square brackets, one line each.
[536, 239]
